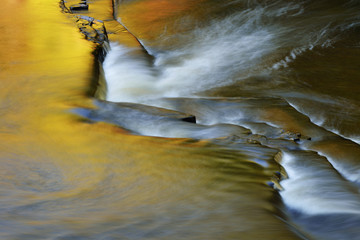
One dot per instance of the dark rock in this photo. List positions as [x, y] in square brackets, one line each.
[79, 7]
[99, 27]
[89, 32]
[190, 119]
[94, 30]
[63, 7]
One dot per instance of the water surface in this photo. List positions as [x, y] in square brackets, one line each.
[274, 153]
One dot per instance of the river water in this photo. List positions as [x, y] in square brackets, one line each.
[274, 152]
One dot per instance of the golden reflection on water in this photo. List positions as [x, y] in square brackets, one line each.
[150, 19]
[64, 177]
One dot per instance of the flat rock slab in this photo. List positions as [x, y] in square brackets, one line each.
[154, 121]
[145, 109]
[114, 112]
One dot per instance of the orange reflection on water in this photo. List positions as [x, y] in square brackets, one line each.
[148, 19]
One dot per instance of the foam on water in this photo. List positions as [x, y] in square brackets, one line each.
[320, 116]
[353, 138]
[350, 172]
[128, 76]
[213, 57]
[314, 187]
[210, 59]
[250, 42]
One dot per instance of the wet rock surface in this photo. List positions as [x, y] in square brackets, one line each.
[94, 30]
[110, 110]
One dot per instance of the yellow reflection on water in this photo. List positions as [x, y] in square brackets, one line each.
[66, 176]
[45, 68]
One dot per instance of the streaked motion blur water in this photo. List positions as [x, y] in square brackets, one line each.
[275, 153]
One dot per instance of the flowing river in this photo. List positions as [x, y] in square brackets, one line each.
[114, 152]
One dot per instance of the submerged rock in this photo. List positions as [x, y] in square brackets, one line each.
[112, 109]
[128, 114]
